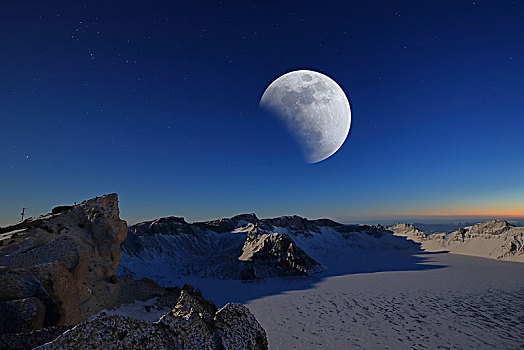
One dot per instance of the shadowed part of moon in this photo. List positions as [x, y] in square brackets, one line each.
[314, 109]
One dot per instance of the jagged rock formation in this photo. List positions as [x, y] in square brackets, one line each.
[194, 323]
[56, 268]
[409, 231]
[496, 239]
[272, 253]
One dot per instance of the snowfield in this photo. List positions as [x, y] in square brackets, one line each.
[470, 303]
[374, 292]
[445, 301]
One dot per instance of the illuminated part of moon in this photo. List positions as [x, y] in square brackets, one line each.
[314, 109]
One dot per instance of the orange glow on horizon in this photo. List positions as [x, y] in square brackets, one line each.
[502, 211]
[481, 215]
[501, 214]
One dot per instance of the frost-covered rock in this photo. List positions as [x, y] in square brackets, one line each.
[30, 340]
[274, 254]
[194, 323]
[409, 231]
[239, 329]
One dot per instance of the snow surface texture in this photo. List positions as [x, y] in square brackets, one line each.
[377, 290]
[136, 310]
[468, 303]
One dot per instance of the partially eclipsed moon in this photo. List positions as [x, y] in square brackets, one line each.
[314, 109]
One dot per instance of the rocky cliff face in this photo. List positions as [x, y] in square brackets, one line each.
[193, 323]
[55, 268]
[274, 253]
[496, 239]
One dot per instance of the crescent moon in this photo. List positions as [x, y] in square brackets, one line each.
[314, 109]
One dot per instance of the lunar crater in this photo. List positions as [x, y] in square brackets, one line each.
[314, 109]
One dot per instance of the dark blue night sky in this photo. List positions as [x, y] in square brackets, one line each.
[158, 101]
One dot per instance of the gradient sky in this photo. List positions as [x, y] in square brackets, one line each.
[158, 101]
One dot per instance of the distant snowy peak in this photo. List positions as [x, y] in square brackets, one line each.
[493, 227]
[496, 239]
[297, 225]
[241, 247]
[292, 224]
[409, 231]
[168, 226]
[246, 247]
[177, 225]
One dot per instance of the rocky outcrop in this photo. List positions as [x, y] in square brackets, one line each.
[58, 269]
[194, 323]
[409, 231]
[274, 254]
[495, 239]
[493, 227]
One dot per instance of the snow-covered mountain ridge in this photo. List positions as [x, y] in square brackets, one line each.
[244, 246]
[496, 239]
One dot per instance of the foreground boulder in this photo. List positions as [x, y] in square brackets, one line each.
[59, 269]
[194, 323]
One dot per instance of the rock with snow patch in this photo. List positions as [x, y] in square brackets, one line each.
[194, 323]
